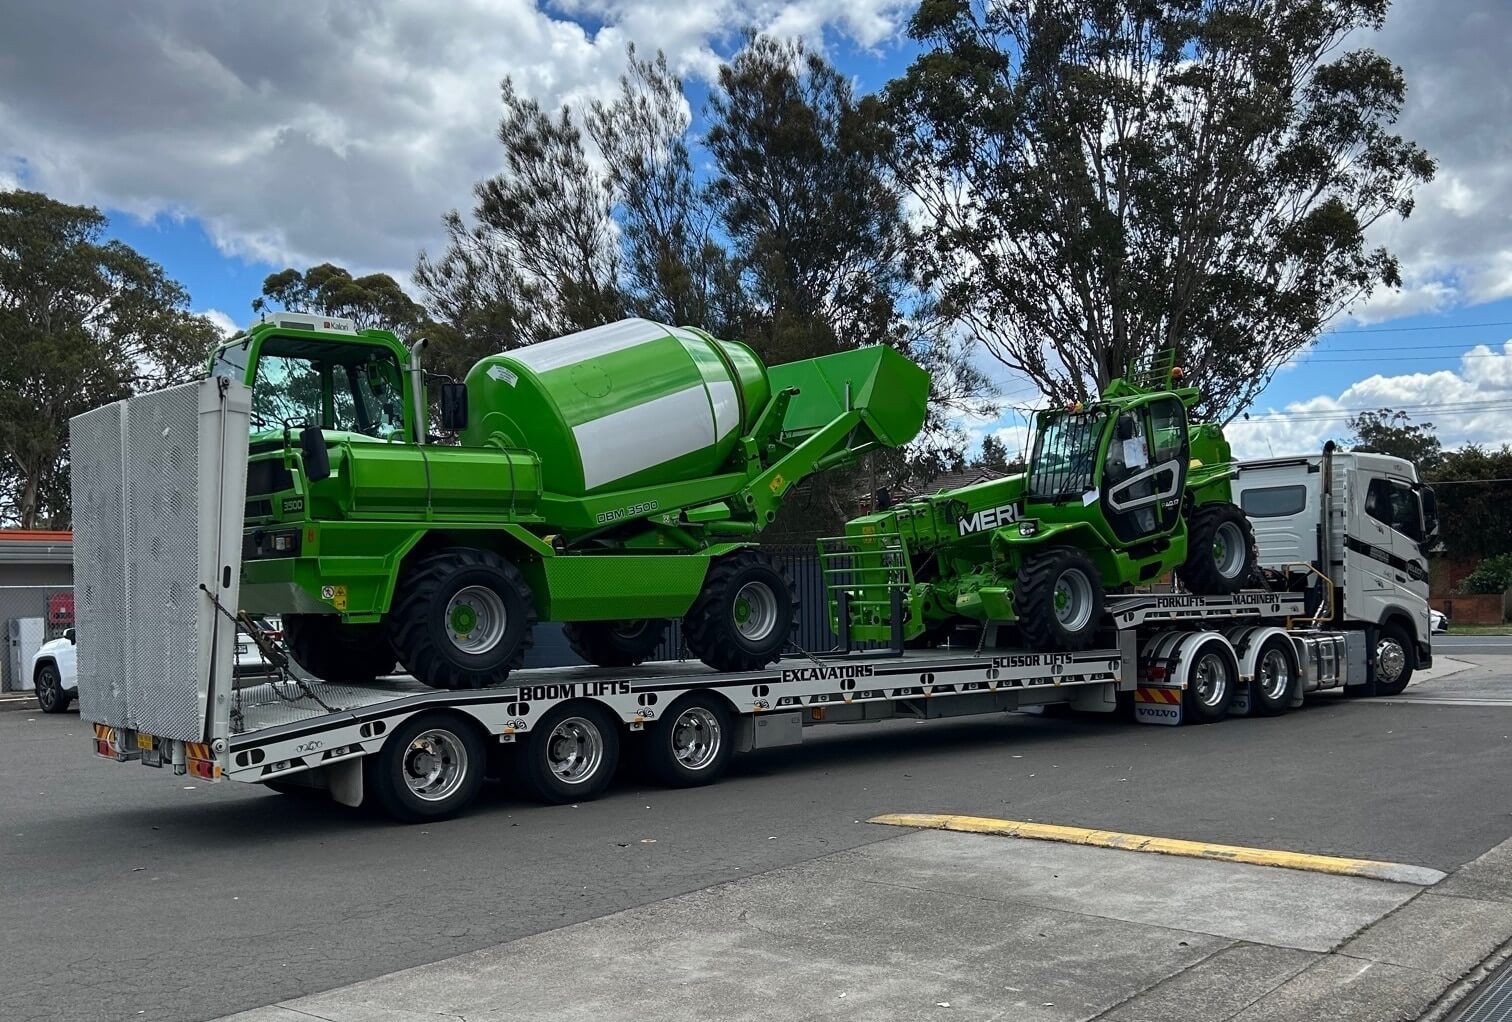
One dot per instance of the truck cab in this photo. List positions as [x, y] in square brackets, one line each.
[1365, 523]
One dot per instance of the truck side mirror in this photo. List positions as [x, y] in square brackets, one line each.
[1430, 513]
[71, 635]
[317, 460]
[454, 406]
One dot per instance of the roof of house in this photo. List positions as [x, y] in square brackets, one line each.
[35, 546]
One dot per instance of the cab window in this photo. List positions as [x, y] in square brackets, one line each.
[1394, 504]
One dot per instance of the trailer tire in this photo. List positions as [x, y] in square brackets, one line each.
[1274, 685]
[744, 614]
[615, 643]
[691, 745]
[430, 768]
[1395, 659]
[345, 654]
[1212, 681]
[1058, 600]
[463, 619]
[1221, 554]
[570, 755]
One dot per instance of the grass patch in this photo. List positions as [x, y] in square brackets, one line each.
[1455, 629]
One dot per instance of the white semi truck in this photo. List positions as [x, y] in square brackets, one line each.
[159, 489]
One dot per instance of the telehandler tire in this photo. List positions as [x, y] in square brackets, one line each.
[615, 643]
[1221, 553]
[462, 619]
[343, 654]
[1058, 600]
[744, 615]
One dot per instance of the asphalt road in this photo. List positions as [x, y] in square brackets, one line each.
[129, 893]
[1460, 645]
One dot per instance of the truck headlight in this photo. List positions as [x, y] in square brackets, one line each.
[1028, 528]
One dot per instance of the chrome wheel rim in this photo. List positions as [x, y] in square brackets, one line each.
[476, 619]
[435, 763]
[1228, 549]
[755, 610]
[1210, 679]
[696, 737]
[1275, 674]
[1073, 600]
[574, 750]
[1391, 660]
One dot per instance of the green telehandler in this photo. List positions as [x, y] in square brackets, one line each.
[1118, 492]
[613, 479]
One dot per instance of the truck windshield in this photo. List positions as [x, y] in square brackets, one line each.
[335, 386]
[1064, 461]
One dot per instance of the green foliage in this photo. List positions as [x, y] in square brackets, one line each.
[83, 321]
[1107, 178]
[1475, 501]
[373, 301]
[995, 457]
[1385, 431]
[1492, 575]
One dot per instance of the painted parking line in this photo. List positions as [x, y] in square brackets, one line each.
[1394, 871]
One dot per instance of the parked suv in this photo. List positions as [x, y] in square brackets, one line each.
[54, 673]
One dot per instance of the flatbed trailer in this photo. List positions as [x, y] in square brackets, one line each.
[157, 674]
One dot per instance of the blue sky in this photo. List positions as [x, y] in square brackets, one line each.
[227, 142]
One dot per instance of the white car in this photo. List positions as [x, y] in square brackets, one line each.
[1438, 622]
[55, 674]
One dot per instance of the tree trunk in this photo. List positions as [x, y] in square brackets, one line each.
[29, 500]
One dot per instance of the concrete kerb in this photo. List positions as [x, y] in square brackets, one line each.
[1396, 872]
[18, 701]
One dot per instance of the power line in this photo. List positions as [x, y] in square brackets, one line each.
[1417, 329]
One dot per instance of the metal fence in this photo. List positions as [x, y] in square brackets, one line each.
[29, 616]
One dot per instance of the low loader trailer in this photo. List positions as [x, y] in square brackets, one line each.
[159, 490]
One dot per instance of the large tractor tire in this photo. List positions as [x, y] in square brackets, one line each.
[615, 643]
[343, 654]
[1221, 553]
[744, 615]
[1058, 600]
[463, 619]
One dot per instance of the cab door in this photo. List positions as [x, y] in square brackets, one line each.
[1144, 470]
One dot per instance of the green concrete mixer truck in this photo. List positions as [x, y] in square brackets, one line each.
[612, 479]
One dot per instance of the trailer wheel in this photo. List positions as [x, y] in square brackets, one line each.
[430, 768]
[1221, 551]
[1394, 660]
[570, 755]
[463, 619]
[692, 743]
[1058, 600]
[1212, 680]
[744, 615]
[1276, 677]
[334, 651]
[615, 643]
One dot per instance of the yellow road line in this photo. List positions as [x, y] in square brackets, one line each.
[1395, 871]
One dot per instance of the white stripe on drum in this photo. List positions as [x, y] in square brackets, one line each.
[586, 344]
[726, 407]
[623, 443]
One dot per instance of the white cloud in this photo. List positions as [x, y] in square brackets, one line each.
[1470, 404]
[224, 323]
[1456, 248]
[303, 132]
